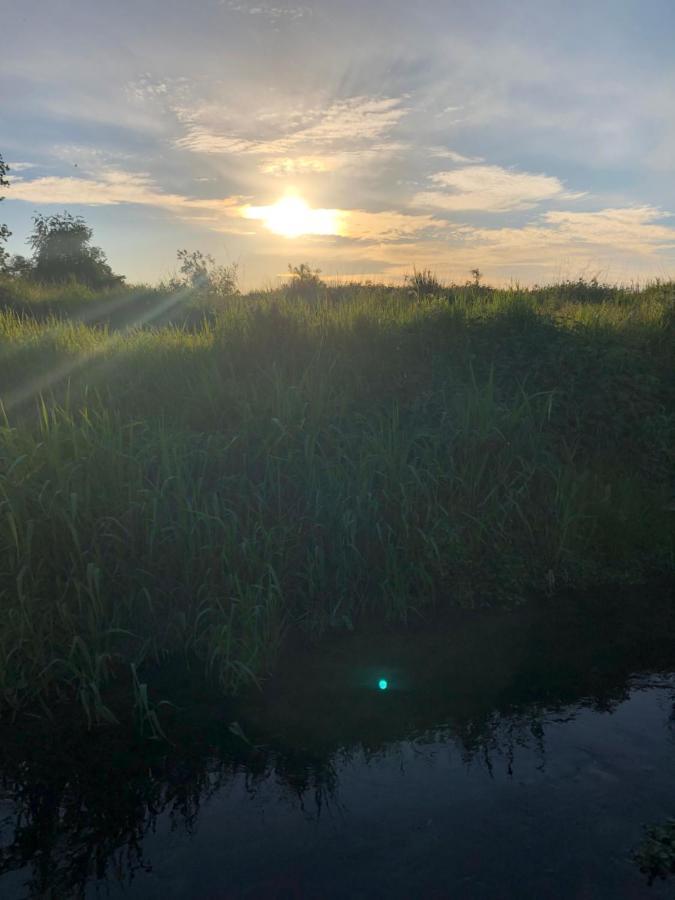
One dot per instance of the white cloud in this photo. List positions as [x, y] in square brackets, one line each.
[110, 187]
[491, 189]
[448, 110]
[299, 165]
[354, 225]
[636, 229]
[628, 240]
[147, 88]
[331, 162]
[618, 243]
[389, 226]
[273, 13]
[453, 156]
[359, 118]
[201, 139]
[348, 132]
[623, 241]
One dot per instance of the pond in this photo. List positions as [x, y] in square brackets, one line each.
[508, 755]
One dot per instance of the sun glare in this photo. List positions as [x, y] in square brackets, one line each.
[292, 217]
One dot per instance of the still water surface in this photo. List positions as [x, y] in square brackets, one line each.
[513, 755]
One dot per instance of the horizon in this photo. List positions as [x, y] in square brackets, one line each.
[532, 143]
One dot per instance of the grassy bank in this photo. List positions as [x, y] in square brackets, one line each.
[307, 462]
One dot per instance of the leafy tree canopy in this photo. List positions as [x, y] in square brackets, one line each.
[62, 251]
[200, 271]
[4, 230]
[4, 169]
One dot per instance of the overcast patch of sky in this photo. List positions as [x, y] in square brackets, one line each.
[579, 92]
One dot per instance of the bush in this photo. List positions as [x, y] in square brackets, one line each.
[200, 272]
[585, 290]
[305, 282]
[423, 284]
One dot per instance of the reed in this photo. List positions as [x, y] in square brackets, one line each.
[190, 493]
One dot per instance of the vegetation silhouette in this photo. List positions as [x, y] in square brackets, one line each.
[200, 272]
[62, 252]
[5, 233]
[305, 463]
[305, 283]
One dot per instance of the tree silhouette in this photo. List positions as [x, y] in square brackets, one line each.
[200, 272]
[62, 251]
[4, 230]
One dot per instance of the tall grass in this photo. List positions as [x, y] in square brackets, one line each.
[172, 494]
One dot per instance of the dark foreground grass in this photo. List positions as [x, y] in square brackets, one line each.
[188, 496]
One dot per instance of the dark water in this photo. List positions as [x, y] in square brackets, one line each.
[511, 755]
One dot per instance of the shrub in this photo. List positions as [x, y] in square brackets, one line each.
[423, 284]
[201, 272]
[305, 282]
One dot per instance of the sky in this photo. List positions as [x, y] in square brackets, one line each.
[533, 140]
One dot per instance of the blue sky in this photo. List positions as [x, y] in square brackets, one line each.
[535, 140]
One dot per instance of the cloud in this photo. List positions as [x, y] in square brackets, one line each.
[622, 243]
[111, 187]
[390, 226]
[626, 239]
[348, 132]
[358, 118]
[453, 156]
[447, 110]
[635, 228]
[272, 13]
[300, 165]
[351, 225]
[145, 87]
[331, 162]
[491, 189]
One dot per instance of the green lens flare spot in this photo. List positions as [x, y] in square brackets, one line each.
[383, 684]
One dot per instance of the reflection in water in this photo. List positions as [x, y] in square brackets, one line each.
[491, 737]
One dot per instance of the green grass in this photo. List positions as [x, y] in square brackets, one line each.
[192, 493]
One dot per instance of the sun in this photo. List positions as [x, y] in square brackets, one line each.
[292, 217]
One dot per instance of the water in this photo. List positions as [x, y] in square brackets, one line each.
[509, 756]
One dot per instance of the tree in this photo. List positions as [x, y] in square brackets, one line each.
[62, 251]
[4, 230]
[200, 272]
[18, 266]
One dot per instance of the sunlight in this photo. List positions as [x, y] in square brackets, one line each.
[292, 217]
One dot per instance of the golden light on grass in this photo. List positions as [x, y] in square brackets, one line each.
[291, 217]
